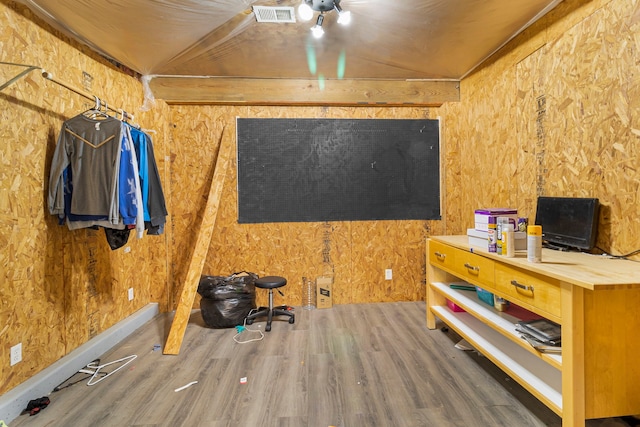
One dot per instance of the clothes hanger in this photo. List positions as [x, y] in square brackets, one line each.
[92, 111]
[93, 369]
[96, 112]
[129, 119]
[105, 113]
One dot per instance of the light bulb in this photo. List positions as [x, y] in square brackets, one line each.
[305, 12]
[317, 31]
[344, 17]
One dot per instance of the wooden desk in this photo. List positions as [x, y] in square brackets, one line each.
[595, 299]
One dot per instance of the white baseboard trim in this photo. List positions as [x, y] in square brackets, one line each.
[15, 400]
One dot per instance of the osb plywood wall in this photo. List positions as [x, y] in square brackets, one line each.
[60, 288]
[355, 253]
[556, 114]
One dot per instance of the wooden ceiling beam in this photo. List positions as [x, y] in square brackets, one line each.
[243, 91]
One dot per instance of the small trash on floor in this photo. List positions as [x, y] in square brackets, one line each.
[36, 405]
[464, 345]
[243, 380]
[245, 335]
[186, 386]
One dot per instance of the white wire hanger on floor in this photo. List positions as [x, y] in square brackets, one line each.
[94, 369]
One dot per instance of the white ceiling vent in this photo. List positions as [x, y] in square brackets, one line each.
[274, 14]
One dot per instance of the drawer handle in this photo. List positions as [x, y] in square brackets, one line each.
[440, 256]
[471, 267]
[521, 286]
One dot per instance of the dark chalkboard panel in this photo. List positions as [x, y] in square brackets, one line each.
[304, 170]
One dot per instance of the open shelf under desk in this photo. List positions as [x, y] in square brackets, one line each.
[539, 377]
[501, 321]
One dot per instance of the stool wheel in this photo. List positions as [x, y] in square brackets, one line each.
[268, 327]
[249, 321]
[292, 319]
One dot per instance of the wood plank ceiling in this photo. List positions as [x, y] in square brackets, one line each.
[394, 52]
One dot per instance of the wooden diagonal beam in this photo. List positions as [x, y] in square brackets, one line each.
[190, 286]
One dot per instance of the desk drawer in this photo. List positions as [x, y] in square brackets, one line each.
[442, 256]
[466, 265]
[537, 293]
[475, 269]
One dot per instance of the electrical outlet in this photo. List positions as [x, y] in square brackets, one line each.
[388, 274]
[16, 354]
[130, 294]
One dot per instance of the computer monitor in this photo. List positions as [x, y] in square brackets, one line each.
[568, 222]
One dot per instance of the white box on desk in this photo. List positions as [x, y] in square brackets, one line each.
[481, 216]
[495, 212]
[480, 239]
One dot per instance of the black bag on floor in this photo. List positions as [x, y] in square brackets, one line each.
[226, 300]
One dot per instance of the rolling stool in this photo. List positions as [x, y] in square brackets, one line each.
[271, 283]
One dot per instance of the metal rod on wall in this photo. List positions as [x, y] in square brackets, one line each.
[29, 69]
[49, 76]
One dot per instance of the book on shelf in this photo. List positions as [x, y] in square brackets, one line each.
[543, 330]
[463, 286]
[540, 346]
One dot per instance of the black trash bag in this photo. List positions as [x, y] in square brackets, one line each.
[226, 301]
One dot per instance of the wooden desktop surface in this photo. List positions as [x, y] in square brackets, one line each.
[581, 269]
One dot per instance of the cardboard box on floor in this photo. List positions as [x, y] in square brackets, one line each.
[324, 298]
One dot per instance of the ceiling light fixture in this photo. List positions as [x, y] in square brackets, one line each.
[307, 7]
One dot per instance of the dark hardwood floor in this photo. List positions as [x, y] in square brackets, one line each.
[351, 365]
